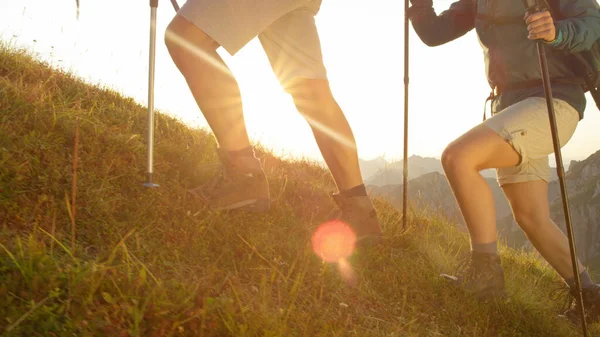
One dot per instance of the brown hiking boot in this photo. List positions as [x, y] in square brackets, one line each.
[591, 304]
[241, 184]
[361, 216]
[480, 275]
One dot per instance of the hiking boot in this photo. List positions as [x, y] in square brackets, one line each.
[480, 275]
[591, 304]
[241, 184]
[358, 212]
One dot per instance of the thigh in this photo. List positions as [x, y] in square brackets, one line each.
[233, 23]
[293, 46]
[526, 126]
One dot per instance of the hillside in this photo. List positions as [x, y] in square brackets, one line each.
[113, 258]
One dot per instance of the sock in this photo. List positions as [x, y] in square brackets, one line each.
[584, 277]
[356, 191]
[487, 248]
[245, 152]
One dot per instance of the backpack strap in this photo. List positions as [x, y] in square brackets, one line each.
[538, 83]
[489, 99]
[498, 90]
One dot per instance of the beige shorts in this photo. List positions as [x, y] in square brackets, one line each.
[526, 126]
[286, 30]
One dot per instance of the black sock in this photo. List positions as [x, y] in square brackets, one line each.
[245, 152]
[488, 248]
[584, 277]
[356, 191]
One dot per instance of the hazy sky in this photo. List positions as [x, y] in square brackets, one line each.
[363, 48]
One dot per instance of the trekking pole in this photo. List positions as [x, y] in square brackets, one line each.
[151, 72]
[405, 161]
[153, 7]
[559, 165]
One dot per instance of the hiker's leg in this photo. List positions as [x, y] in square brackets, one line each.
[192, 38]
[211, 82]
[331, 130]
[293, 48]
[526, 185]
[529, 203]
[478, 149]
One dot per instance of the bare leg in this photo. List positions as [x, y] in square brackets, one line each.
[529, 203]
[211, 82]
[478, 149]
[314, 100]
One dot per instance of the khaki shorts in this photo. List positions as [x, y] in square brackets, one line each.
[286, 30]
[526, 126]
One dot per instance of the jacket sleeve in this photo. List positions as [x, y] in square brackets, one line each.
[435, 30]
[580, 27]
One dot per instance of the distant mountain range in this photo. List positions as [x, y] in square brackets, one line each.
[380, 172]
[431, 191]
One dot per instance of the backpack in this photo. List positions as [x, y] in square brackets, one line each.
[586, 63]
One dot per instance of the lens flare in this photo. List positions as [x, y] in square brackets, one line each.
[346, 272]
[333, 241]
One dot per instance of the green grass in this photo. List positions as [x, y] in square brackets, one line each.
[154, 262]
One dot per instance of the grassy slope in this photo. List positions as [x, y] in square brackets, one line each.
[153, 262]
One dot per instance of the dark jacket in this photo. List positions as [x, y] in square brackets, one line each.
[510, 57]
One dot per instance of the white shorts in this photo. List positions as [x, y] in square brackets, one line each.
[286, 29]
[526, 126]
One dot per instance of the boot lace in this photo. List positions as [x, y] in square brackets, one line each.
[466, 268]
[565, 293]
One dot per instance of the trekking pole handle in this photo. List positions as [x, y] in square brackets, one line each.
[532, 6]
[533, 9]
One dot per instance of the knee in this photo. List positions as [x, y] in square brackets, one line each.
[531, 220]
[453, 159]
[183, 39]
[310, 95]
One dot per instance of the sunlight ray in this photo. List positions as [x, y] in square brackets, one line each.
[197, 51]
[331, 133]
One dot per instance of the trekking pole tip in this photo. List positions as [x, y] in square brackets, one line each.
[149, 182]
